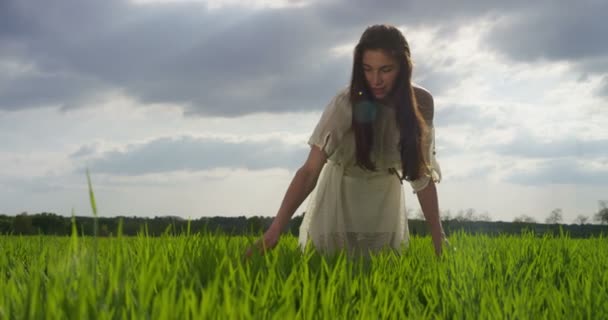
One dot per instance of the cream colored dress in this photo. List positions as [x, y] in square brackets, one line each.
[351, 208]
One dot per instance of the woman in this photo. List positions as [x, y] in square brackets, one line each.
[373, 134]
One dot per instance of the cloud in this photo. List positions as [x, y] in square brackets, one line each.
[432, 12]
[464, 115]
[530, 160]
[84, 151]
[223, 62]
[528, 146]
[36, 185]
[235, 60]
[546, 31]
[603, 89]
[561, 171]
[220, 62]
[36, 89]
[198, 154]
[553, 32]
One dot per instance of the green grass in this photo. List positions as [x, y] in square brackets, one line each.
[202, 276]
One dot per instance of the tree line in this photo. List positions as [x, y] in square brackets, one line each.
[52, 224]
[556, 216]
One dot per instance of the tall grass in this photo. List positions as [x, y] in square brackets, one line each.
[203, 276]
[185, 277]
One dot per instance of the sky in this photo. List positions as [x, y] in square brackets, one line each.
[204, 108]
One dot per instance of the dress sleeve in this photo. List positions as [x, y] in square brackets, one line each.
[433, 171]
[334, 123]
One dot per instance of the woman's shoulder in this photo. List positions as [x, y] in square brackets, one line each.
[422, 94]
[343, 94]
[424, 98]
[341, 99]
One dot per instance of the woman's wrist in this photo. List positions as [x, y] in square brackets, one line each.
[275, 226]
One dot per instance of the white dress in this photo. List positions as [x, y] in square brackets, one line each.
[355, 209]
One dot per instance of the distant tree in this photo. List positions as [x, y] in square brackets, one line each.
[524, 219]
[602, 215]
[468, 215]
[581, 219]
[6, 224]
[556, 216]
[446, 215]
[255, 224]
[484, 217]
[23, 224]
[104, 231]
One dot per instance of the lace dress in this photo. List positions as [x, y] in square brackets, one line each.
[355, 209]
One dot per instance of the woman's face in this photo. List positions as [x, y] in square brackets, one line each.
[381, 71]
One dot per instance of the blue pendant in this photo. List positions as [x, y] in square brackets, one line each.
[365, 111]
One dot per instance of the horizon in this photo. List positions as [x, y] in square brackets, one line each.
[461, 218]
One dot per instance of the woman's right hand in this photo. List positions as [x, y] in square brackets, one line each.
[269, 240]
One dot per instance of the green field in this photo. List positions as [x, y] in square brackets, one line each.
[203, 277]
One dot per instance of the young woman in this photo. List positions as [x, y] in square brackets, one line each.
[372, 135]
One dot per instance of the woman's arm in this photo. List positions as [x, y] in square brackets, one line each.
[430, 207]
[428, 196]
[302, 184]
[300, 187]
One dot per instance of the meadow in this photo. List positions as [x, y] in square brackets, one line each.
[203, 276]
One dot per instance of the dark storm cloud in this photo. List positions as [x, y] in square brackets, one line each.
[556, 31]
[223, 62]
[437, 13]
[194, 154]
[231, 62]
[214, 62]
[34, 90]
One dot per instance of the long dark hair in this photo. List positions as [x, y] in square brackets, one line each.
[410, 121]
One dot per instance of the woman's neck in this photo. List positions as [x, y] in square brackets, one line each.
[386, 102]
